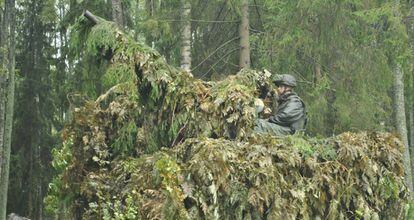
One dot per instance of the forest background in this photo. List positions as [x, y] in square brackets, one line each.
[353, 60]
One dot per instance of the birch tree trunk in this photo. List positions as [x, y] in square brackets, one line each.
[399, 108]
[117, 13]
[186, 37]
[9, 25]
[244, 36]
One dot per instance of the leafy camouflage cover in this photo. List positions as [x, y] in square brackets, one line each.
[160, 144]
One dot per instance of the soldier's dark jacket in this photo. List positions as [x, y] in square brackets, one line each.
[290, 112]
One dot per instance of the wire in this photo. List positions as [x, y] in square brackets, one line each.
[191, 20]
[323, 67]
[215, 51]
[221, 58]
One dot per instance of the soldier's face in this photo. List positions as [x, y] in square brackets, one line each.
[280, 89]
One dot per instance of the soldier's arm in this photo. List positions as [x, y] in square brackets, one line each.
[289, 114]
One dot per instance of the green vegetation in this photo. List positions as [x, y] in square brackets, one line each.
[174, 147]
[94, 106]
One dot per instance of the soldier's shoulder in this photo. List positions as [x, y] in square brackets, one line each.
[293, 96]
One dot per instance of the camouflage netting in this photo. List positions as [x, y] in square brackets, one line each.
[161, 144]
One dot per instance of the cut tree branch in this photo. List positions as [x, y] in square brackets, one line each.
[91, 17]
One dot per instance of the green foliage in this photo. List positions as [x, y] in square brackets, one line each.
[37, 116]
[58, 197]
[168, 97]
[153, 24]
[302, 145]
[211, 166]
[264, 176]
[170, 172]
[48, 14]
[410, 212]
[336, 47]
[354, 43]
[126, 139]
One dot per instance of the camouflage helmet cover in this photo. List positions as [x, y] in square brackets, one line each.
[285, 79]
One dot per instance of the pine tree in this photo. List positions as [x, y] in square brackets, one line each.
[35, 111]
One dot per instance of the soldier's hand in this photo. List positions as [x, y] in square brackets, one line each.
[267, 111]
[259, 105]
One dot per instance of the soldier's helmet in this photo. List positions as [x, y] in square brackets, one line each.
[285, 79]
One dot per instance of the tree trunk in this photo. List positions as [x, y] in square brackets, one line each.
[10, 42]
[410, 28]
[411, 126]
[186, 37]
[410, 112]
[399, 108]
[244, 36]
[117, 13]
[2, 114]
[137, 19]
[3, 77]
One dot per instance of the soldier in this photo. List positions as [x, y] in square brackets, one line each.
[290, 115]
